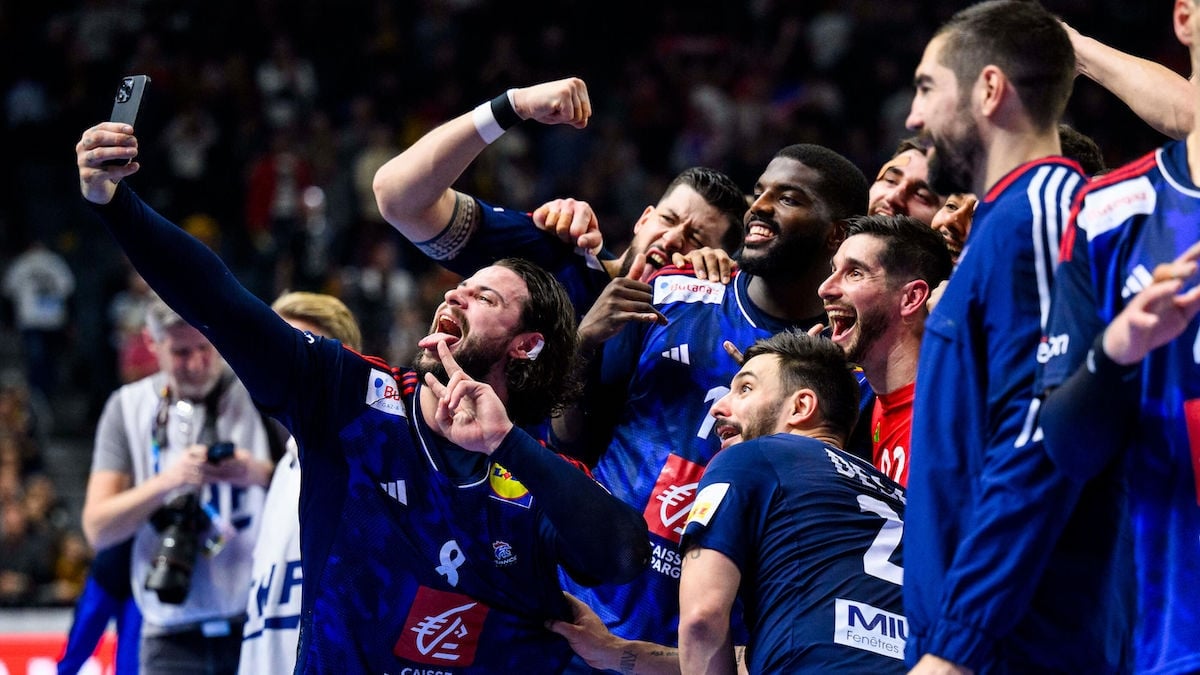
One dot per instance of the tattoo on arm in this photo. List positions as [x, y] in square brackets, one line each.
[628, 662]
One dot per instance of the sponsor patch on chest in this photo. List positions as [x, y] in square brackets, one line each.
[679, 288]
[442, 629]
[671, 502]
[383, 393]
[1108, 208]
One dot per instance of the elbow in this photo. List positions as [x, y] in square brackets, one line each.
[634, 561]
[634, 550]
[93, 532]
[702, 626]
[383, 186]
[618, 558]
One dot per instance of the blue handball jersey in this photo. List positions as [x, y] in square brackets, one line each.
[407, 568]
[1129, 221]
[816, 535]
[1010, 567]
[479, 234]
[664, 436]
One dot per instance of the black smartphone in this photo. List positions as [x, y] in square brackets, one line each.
[218, 452]
[126, 105]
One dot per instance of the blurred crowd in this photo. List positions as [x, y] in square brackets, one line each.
[266, 121]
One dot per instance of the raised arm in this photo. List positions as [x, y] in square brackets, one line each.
[185, 273]
[413, 189]
[1160, 96]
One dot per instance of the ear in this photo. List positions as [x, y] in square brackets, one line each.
[643, 218]
[802, 412]
[992, 88]
[837, 234]
[526, 346]
[1182, 17]
[913, 297]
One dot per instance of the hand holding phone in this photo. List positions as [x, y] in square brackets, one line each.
[126, 105]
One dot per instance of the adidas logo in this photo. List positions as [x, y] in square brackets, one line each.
[397, 490]
[679, 354]
[1136, 281]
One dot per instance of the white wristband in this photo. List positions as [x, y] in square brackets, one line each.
[485, 123]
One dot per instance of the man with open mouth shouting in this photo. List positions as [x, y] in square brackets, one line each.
[875, 299]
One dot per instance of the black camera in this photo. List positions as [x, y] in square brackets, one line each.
[181, 522]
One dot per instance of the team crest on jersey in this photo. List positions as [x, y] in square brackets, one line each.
[671, 501]
[504, 553]
[707, 502]
[442, 629]
[383, 393]
[1109, 207]
[508, 489]
[679, 288]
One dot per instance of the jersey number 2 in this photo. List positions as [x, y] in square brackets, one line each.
[877, 560]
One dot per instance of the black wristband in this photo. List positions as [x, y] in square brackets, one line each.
[1102, 366]
[502, 109]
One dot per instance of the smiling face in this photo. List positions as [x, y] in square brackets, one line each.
[480, 322]
[953, 221]
[902, 188]
[860, 298]
[942, 114]
[681, 222]
[755, 405]
[788, 224]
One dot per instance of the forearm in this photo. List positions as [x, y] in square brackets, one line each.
[196, 283]
[705, 646]
[636, 657]
[1157, 94]
[1086, 421]
[575, 504]
[412, 189]
[112, 520]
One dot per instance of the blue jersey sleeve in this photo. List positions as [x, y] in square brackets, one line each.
[272, 359]
[732, 493]
[479, 234]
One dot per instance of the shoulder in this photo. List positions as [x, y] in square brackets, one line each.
[1115, 198]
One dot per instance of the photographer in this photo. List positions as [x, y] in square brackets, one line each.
[180, 463]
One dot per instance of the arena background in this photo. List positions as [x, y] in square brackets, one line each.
[253, 103]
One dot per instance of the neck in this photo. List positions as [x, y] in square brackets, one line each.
[821, 433]
[791, 298]
[1010, 148]
[892, 368]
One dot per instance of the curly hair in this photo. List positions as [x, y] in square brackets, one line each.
[539, 387]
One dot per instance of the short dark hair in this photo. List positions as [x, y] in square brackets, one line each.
[808, 362]
[1080, 147]
[539, 387]
[912, 249]
[910, 143]
[719, 190]
[1024, 40]
[842, 185]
